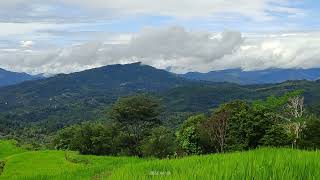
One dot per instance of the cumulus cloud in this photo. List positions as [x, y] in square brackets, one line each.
[175, 49]
[172, 47]
[283, 50]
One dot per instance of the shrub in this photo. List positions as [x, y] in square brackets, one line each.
[161, 143]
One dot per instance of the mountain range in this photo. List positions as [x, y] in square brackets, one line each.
[47, 105]
[10, 78]
[238, 76]
[256, 77]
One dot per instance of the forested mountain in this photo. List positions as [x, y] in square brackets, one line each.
[52, 103]
[71, 98]
[10, 78]
[256, 77]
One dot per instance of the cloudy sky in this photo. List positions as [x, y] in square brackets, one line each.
[63, 36]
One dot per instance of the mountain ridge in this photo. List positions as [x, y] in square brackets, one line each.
[267, 76]
[8, 78]
[66, 99]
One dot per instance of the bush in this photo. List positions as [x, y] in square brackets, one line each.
[161, 143]
[189, 136]
[88, 138]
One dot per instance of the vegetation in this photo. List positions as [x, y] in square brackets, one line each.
[34, 111]
[75, 135]
[265, 163]
[135, 129]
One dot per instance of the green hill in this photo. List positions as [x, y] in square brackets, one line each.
[265, 163]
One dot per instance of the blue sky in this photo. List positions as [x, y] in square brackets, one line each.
[32, 30]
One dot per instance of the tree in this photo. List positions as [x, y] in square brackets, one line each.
[87, 138]
[288, 109]
[311, 134]
[277, 136]
[189, 135]
[296, 121]
[65, 139]
[161, 143]
[238, 125]
[216, 128]
[136, 116]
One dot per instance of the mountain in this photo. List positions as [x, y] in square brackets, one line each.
[72, 98]
[256, 77]
[46, 105]
[108, 81]
[11, 78]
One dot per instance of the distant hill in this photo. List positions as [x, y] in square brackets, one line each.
[11, 78]
[256, 77]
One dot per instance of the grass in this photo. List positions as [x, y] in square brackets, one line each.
[265, 163]
[8, 148]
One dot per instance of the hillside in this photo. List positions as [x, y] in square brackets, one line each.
[10, 78]
[44, 106]
[66, 99]
[256, 77]
[266, 163]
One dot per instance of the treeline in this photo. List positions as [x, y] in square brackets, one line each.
[136, 129]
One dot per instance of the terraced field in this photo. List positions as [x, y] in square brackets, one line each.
[265, 163]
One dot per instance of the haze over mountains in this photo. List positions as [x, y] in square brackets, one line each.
[10, 78]
[238, 76]
[256, 77]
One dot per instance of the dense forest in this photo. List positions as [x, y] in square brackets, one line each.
[135, 129]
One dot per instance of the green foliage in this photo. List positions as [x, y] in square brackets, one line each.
[274, 103]
[87, 138]
[277, 136]
[136, 116]
[236, 136]
[189, 135]
[311, 134]
[160, 143]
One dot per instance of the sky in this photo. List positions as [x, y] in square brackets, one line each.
[64, 36]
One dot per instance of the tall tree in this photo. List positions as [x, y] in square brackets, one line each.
[136, 116]
[296, 121]
[216, 128]
[189, 136]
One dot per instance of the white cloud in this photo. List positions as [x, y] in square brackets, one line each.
[176, 49]
[26, 44]
[297, 50]
[257, 9]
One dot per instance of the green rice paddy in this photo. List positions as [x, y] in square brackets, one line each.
[264, 163]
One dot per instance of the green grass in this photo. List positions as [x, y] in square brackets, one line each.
[8, 148]
[265, 163]
[38, 165]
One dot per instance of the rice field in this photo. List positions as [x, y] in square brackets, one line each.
[264, 163]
